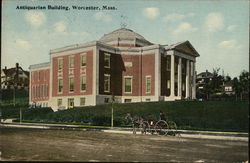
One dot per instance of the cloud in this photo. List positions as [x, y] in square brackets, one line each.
[231, 28]
[35, 18]
[184, 28]
[151, 12]
[60, 27]
[214, 22]
[229, 44]
[23, 44]
[102, 16]
[175, 17]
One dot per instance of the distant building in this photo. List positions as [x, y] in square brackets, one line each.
[203, 78]
[122, 64]
[14, 77]
[228, 88]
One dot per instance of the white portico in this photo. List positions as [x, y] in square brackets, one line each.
[182, 71]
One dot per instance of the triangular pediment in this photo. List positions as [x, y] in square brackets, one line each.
[186, 47]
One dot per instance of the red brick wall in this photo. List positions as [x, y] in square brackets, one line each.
[40, 88]
[118, 70]
[74, 72]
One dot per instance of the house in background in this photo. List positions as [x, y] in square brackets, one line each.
[14, 77]
[228, 88]
[122, 64]
[203, 78]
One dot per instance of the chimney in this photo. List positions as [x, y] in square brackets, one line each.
[17, 65]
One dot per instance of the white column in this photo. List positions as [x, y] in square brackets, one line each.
[187, 80]
[172, 76]
[179, 77]
[194, 83]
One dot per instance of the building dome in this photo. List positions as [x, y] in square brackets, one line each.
[125, 37]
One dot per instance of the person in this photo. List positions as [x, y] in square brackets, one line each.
[162, 116]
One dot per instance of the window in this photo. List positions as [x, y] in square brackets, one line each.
[60, 85]
[70, 103]
[127, 100]
[83, 60]
[128, 85]
[106, 83]
[83, 83]
[39, 75]
[106, 100]
[82, 101]
[148, 84]
[106, 60]
[59, 102]
[60, 64]
[148, 100]
[71, 61]
[168, 65]
[71, 84]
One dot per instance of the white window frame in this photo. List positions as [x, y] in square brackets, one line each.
[81, 101]
[149, 76]
[83, 55]
[109, 55]
[124, 85]
[106, 75]
[71, 64]
[61, 101]
[58, 86]
[72, 77]
[69, 102]
[58, 64]
[81, 83]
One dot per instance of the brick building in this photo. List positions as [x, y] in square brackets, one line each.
[122, 64]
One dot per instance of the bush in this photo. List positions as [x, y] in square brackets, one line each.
[214, 115]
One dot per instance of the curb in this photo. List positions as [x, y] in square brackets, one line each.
[183, 133]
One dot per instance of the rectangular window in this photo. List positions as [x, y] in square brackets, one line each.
[82, 101]
[128, 85]
[71, 61]
[71, 84]
[106, 100]
[60, 85]
[39, 75]
[168, 64]
[60, 64]
[148, 84]
[83, 60]
[70, 103]
[106, 60]
[83, 83]
[59, 102]
[106, 83]
[127, 100]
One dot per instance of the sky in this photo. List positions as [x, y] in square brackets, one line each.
[218, 30]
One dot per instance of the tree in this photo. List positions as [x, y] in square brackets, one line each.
[244, 84]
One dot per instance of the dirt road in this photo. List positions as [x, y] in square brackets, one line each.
[20, 144]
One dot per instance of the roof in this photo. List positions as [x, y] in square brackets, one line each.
[11, 71]
[40, 65]
[124, 34]
[184, 46]
[205, 74]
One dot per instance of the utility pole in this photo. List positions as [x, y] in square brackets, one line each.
[20, 115]
[112, 111]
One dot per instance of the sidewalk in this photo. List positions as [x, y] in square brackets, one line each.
[239, 136]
